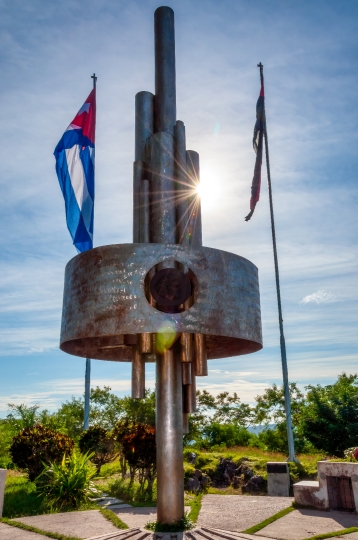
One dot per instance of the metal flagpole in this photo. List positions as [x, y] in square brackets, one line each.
[291, 446]
[88, 360]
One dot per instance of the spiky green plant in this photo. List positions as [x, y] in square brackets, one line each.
[68, 483]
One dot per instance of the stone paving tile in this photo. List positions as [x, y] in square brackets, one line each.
[13, 533]
[306, 522]
[239, 512]
[80, 524]
[138, 517]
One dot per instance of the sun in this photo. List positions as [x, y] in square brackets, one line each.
[208, 190]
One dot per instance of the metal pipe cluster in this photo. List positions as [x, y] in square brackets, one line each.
[167, 210]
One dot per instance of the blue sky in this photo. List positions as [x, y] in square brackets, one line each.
[309, 50]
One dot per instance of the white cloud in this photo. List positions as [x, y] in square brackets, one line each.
[319, 297]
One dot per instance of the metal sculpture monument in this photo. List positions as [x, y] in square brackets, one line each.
[164, 298]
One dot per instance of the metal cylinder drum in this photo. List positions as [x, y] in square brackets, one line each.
[200, 355]
[195, 225]
[162, 223]
[144, 213]
[169, 423]
[182, 184]
[165, 91]
[186, 342]
[138, 167]
[138, 374]
[185, 423]
[143, 122]
[186, 372]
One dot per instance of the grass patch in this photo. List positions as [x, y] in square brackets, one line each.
[184, 524]
[113, 518]
[332, 534]
[24, 527]
[128, 492]
[263, 524]
[21, 499]
[195, 508]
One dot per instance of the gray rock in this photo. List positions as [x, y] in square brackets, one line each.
[193, 485]
[255, 484]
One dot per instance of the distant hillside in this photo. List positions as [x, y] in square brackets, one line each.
[258, 429]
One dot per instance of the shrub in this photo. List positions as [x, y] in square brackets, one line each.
[68, 483]
[100, 443]
[139, 449]
[35, 446]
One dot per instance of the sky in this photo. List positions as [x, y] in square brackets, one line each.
[309, 53]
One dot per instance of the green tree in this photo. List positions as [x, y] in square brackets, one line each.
[222, 409]
[330, 416]
[228, 434]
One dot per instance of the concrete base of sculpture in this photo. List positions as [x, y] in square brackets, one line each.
[198, 533]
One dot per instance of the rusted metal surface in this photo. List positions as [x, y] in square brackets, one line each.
[200, 356]
[104, 300]
[186, 341]
[145, 343]
[186, 372]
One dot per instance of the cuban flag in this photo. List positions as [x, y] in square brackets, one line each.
[75, 171]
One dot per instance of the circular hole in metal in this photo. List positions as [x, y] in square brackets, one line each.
[170, 287]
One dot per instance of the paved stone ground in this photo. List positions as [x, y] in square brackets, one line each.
[13, 533]
[239, 512]
[80, 524]
[138, 517]
[304, 523]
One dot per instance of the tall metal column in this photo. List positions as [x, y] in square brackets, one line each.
[87, 394]
[170, 500]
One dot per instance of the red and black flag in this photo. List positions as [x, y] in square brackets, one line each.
[258, 141]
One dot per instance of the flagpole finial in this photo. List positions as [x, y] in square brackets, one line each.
[94, 80]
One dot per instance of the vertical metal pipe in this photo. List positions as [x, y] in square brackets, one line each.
[200, 356]
[144, 222]
[186, 347]
[87, 394]
[162, 189]
[169, 422]
[145, 343]
[138, 374]
[182, 185]
[165, 92]
[189, 397]
[138, 167]
[192, 160]
[193, 387]
[185, 423]
[186, 372]
[143, 122]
